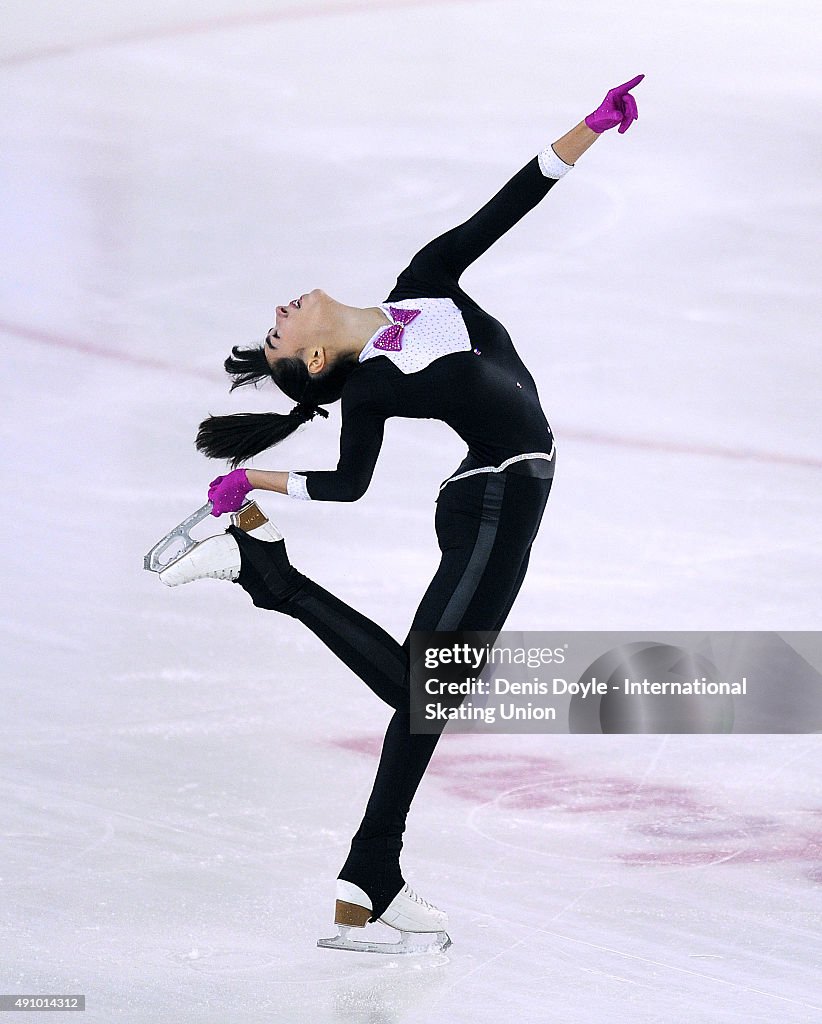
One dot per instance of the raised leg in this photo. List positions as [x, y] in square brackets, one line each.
[365, 647]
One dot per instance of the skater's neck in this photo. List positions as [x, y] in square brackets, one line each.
[356, 328]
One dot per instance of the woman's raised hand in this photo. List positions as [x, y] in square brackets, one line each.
[618, 108]
[227, 493]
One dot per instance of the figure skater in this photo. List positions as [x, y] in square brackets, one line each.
[429, 351]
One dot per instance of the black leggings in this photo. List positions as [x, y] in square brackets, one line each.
[485, 526]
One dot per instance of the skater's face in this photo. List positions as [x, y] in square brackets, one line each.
[301, 329]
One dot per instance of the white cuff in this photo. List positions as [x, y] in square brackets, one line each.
[551, 165]
[297, 487]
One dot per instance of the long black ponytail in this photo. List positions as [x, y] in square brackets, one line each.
[239, 436]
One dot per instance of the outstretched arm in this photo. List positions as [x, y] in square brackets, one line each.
[443, 260]
[448, 255]
[574, 143]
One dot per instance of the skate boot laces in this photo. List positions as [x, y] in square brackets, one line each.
[224, 574]
[409, 892]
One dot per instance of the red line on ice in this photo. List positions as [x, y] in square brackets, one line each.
[688, 448]
[219, 23]
[586, 436]
[88, 348]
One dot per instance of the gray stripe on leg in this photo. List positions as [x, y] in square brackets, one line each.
[477, 563]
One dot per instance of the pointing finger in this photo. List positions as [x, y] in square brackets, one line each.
[631, 84]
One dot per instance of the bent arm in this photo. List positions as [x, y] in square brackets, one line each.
[363, 427]
[360, 443]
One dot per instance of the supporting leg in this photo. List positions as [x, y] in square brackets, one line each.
[478, 579]
[485, 537]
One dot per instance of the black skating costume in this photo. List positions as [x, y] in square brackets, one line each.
[458, 364]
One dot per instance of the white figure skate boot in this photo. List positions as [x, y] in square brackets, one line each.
[218, 557]
[421, 925]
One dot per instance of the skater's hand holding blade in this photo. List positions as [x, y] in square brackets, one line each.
[225, 494]
[228, 493]
[618, 108]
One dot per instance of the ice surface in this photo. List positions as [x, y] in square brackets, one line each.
[181, 772]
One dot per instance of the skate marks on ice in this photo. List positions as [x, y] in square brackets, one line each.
[637, 879]
[664, 873]
[663, 825]
[367, 989]
[638, 978]
[189, 955]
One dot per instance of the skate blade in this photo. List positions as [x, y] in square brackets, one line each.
[179, 540]
[409, 943]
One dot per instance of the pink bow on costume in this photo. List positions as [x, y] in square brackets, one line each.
[390, 340]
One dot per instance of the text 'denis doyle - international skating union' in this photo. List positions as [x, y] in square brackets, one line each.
[598, 682]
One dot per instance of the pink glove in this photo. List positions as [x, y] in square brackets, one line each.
[618, 107]
[227, 493]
